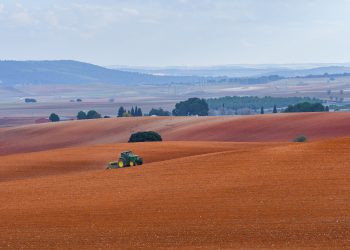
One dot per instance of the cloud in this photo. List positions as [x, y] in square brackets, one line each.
[52, 18]
[186, 31]
[129, 11]
[183, 1]
[21, 15]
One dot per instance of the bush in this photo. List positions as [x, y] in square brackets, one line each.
[193, 106]
[127, 114]
[305, 107]
[30, 100]
[159, 112]
[54, 117]
[92, 114]
[81, 115]
[145, 137]
[300, 139]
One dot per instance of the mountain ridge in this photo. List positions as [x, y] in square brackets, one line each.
[74, 72]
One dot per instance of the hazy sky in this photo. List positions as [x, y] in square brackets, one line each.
[176, 32]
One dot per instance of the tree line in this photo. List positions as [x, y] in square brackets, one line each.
[254, 102]
[306, 107]
[134, 112]
[199, 107]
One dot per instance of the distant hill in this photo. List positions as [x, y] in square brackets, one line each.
[250, 71]
[331, 70]
[74, 72]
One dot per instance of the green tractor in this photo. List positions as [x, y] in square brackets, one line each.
[126, 159]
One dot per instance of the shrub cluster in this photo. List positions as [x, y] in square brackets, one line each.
[300, 139]
[92, 114]
[193, 106]
[145, 136]
[305, 107]
[159, 112]
[54, 118]
[122, 112]
[30, 100]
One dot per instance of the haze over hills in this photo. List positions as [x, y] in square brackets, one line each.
[74, 72]
[288, 70]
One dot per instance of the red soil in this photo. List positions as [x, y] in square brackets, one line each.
[16, 121]
[278, 127]
[188, 194]
[217, 196]
[70, 160]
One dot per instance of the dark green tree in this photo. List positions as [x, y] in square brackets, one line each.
[254, 102]
[300, 139]
[275, 109]
[92, 114]
[145, 136]
[132, 112]
[193, 106]
[327, 109]
[262, 110]
[121, 111]
[305, 107]
[139, 112]
[159, 112]
[81, 115]
[28, 100]
[54, 117]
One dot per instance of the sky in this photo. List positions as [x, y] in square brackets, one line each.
[176, 32]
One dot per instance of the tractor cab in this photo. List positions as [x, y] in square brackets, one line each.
[126, 154]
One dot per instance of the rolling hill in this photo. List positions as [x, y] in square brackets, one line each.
[215, 182]
[266, 128]
[74, 72]
[188, 195]
[243, 70]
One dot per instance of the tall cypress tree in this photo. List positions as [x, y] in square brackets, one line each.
[132, 111]
[139, 112]
[262, 110]
[274, 109]
[121, 111]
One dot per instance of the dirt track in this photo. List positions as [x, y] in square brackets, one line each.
[187, 195]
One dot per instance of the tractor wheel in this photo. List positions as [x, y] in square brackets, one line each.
[132, 164]
[121, 163]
